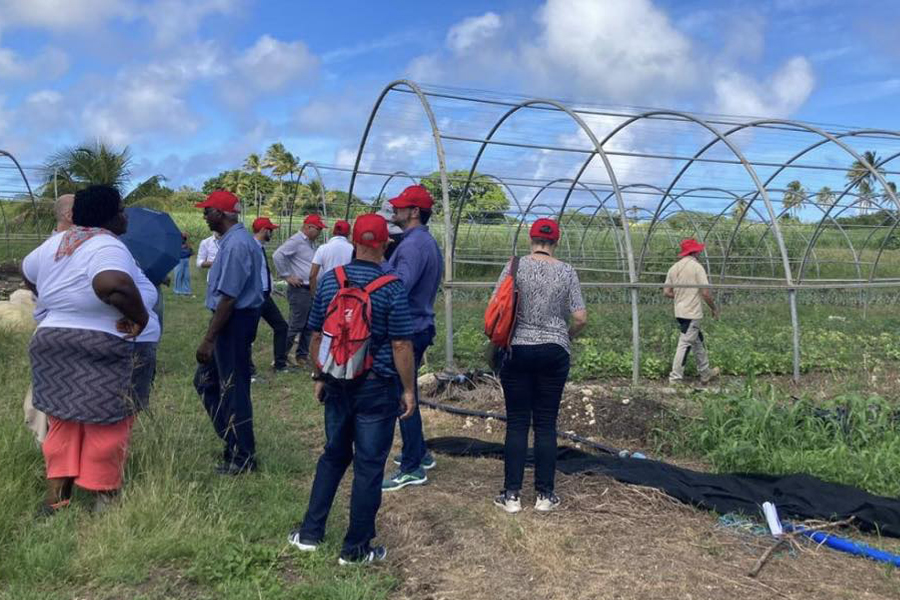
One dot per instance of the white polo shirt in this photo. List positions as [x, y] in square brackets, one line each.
[335, 252]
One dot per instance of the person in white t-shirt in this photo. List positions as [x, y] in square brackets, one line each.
[336, 252]
[206, 253]
[94, 351]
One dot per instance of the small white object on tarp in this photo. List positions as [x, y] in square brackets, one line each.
[772, 519]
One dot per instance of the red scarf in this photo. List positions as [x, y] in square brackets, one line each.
[75, 236]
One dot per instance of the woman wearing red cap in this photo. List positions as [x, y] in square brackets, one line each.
[689, 310]
[550, 313]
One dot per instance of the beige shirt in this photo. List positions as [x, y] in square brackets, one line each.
[688, 302]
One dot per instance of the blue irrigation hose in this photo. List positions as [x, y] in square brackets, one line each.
[847, 545]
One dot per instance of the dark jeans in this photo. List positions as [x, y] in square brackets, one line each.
[533, 378]
[299, 301]
[411, 431]
[271, 315]
[225, 386]
[360, 418]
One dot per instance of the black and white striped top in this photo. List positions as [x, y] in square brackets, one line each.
[549, 291]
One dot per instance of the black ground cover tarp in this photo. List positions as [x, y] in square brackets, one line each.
[795, 496]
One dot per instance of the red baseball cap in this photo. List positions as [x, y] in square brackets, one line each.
[370, 230]
[691, 246]
[264, 223]
[545, 229]
[341, 228]
[414, 195]
[314, 220]
[221, 200]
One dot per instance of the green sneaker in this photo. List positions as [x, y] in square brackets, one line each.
[427, 463]
[399, 480]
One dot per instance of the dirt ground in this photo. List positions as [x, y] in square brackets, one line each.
[608, 540]
[10, 280]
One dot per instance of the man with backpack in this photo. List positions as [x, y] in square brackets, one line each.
[418, 263]
[364, 375]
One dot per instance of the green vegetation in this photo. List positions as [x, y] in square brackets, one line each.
[484, 202]
[852, 438]
[753, 337]
[180, 530]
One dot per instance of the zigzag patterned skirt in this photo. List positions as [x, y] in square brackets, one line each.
[90, 376]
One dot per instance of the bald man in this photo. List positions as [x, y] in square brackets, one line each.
[62, 208]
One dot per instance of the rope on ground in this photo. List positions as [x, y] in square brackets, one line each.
[468, 412]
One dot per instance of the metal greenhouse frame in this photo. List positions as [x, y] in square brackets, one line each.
[633, 258]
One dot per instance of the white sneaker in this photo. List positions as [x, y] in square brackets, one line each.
[509, 501]
[300, 543]
[546, 503]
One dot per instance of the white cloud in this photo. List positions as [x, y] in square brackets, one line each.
[43, 110]
[61, 15]
[783, 93]
[270, 64]
[173, 20]
[472, 31]
[49, 63]
[150, 99]
[617, 49]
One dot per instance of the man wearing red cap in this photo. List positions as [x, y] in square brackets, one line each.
[359, 417]
[334, 253]
[293, 261]
[234, 295]
[689, 310]
[262, 231]
[418, 263]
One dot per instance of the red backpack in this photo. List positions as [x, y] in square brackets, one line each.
[500, 315]
[344, 352]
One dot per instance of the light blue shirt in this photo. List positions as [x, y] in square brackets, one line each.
[236, 271]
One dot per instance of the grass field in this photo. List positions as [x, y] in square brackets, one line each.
[182, 532]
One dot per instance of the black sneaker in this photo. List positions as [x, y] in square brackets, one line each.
[509, 501]
[375, 554]
[301, 543]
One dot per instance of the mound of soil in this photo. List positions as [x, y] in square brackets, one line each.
[611, 415]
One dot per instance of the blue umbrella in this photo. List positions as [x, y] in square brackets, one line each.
[154, 240]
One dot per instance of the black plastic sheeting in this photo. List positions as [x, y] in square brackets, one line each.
[795, 496]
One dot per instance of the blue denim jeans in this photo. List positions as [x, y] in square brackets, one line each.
[225, 386]
[183, 277]
[533, 378]
[411, 431]
[359, 428]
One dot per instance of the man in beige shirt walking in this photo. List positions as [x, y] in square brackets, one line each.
[689, 310]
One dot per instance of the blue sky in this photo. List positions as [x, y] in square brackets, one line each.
[193, 86]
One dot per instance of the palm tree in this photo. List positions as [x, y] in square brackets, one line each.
[254, 164]
[825, 197]
[861, 175]
[78, 167]
[75, 168]
[794, 197]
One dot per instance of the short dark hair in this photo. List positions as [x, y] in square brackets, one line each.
[544, 242]
[96, 205]
[424, 216]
